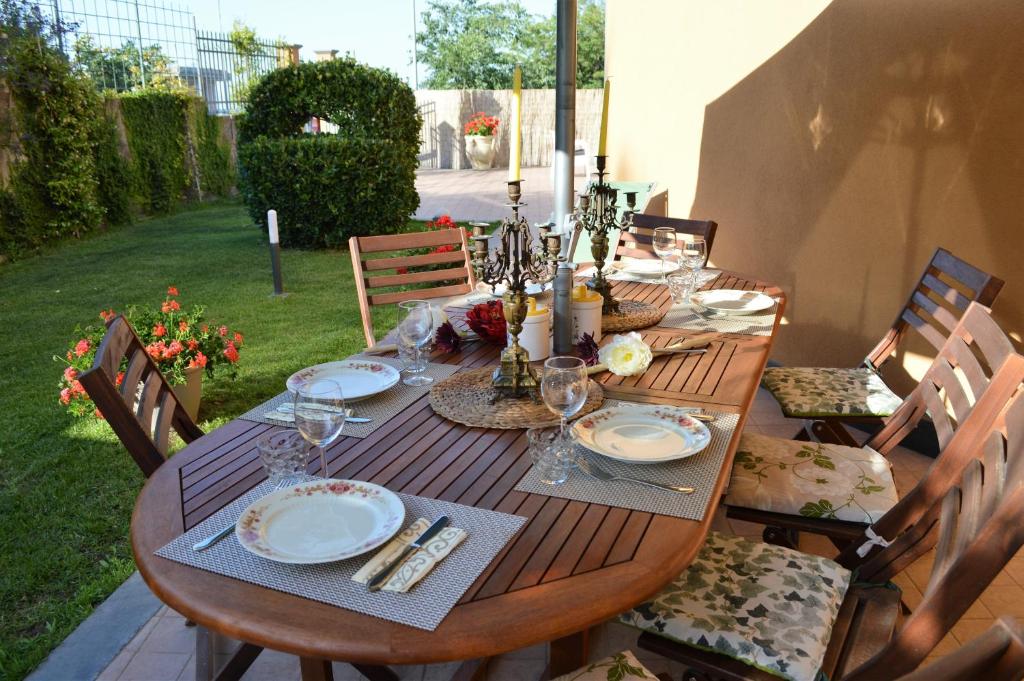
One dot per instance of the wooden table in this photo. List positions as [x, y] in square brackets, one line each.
[572, 566]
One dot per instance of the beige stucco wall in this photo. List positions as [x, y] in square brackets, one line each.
[837, 144]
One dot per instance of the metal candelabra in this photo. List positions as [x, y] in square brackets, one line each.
[597, 214]
[515, 263]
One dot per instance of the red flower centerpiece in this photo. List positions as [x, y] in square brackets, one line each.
[488, 321]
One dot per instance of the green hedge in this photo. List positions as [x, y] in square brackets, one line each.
[329, 187]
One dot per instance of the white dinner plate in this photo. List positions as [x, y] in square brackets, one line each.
[645, 267]
[642, 433]
[732, 301]
[320, 521]
[357, 378]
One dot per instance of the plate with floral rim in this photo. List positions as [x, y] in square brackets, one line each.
[642, 433]
[358, 378]
[320, 521]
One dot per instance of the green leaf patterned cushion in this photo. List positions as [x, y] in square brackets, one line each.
[816, 392]
[811, 479]
[619, 667]
[767, 606]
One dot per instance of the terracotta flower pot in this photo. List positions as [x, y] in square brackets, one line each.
[480, 150]
[190, 392]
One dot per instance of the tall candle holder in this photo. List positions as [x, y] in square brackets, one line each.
[597, 214]
[515, 263]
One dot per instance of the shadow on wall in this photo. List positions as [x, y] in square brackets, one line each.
[881, 131]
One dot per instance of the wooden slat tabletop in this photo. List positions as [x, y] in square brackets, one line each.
[571, 566]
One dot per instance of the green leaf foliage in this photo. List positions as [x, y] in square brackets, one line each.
[329, 187]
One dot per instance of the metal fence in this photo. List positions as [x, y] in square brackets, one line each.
[128, 44]
[226, 73]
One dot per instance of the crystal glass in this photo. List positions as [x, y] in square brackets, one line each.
[415, 332]
[694, 255]
[549, 454]
[284, 455]
[320, 415]
[664, 244]
[563, 385]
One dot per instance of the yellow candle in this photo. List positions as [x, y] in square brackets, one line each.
[514, 133]
[602, 145]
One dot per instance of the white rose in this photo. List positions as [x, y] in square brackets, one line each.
[626, 355]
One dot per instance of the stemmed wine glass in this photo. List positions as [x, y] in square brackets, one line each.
[694, 255]
[664, 245]
[563, 385]
[320, 415]
[415, 332]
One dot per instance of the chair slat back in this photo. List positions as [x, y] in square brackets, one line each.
[638, 242]
[944, 291]
[142, 409]
[979, 530]
[954, 383]
[995, 655]
[378, 276]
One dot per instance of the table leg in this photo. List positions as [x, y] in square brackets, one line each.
[568, 653]
[312, 669]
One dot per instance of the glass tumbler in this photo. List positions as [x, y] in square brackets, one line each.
[284, 455]
[679, 285]
[551, 455]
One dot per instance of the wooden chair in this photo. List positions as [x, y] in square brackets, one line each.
[975, 528]
[995, 655]
[395, 274]
[638, 242]
[143, 409]
[960, 389]
[831, 396]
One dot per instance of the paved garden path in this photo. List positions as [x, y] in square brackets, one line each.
[482, 194]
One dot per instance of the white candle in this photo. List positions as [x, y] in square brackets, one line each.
[514, 133]
[272, 226]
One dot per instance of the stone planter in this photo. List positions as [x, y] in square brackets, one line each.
[191, 391]
[480, 150]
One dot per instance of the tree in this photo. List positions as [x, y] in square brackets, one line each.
[118, 68]
[469, 44]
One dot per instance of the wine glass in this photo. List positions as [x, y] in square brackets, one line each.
[694, 254]
[415, 332]
[563, 385]
[319, 412]
[664, 245]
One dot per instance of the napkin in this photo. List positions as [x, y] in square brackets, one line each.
[419, 563]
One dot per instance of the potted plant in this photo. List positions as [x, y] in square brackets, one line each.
[481, 133]
[178, 340]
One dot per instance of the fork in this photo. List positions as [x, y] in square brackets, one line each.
[598, 473]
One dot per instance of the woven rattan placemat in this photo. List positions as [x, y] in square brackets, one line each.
[632, 315]
[466, 398]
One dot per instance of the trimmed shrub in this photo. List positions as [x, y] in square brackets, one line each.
[329, 187]
[155, 122]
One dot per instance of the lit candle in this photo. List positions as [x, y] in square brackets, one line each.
[272, 226]
[602, 145]
[515, 153]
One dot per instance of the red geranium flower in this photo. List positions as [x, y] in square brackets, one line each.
[159, 330]
[198, 361]
[107, 315]
[82, 347]
[172, 290]
[182, 325]
[231, 352]
[223, 330]
[70, 373]
[488, 321]
[170, 306]
[65, 396]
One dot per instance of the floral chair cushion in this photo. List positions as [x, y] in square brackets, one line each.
[811, 479]
[619, 667]
[767, 606]
[816, 393]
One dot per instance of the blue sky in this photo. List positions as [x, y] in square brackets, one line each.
[377, 32]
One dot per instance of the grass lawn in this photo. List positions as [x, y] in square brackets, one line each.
[67, 488]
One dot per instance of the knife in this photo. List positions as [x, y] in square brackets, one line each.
[381, 578]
